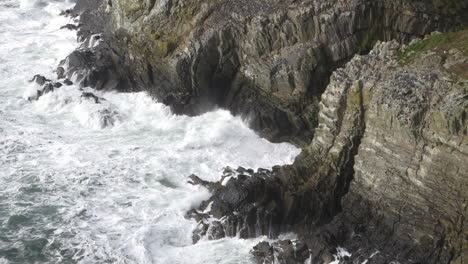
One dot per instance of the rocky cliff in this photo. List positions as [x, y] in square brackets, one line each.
[389, 154]
[383, 170]
[267, 60]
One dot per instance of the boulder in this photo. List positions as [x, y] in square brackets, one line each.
[92, 97]
[39, 80]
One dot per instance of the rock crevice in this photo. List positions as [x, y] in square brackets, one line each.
[383, 169]
[267, 60]
[380, 174]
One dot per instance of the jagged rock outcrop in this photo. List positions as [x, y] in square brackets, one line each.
[386, 175]
[285, 251]
[383, 170]
[268, 60]
[411, 171]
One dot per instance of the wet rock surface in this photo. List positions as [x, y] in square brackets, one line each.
[44, 86]
[243, 204]
[384, 177]
[92, 97]
[383, 172]
[39, 79]
[285, 251]
[268, 61]
[70, 27]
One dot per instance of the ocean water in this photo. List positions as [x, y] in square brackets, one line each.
[104, 183]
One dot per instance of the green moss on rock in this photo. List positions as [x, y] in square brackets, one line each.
[439, 43]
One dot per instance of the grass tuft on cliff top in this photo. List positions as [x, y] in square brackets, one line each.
[439, 43]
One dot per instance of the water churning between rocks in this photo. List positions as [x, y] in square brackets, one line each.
[82, 182]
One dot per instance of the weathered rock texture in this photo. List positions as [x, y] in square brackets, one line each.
[384, 165]
[408, 199]
[285, 251]
[386, 174]
[268, 60]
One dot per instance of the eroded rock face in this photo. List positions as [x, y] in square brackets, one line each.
[407, 199]
[284, 251]
[383, 170]
[386, 174]
[268, 60]
[411, 168]
[244, 203]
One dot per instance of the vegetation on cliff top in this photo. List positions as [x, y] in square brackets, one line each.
[441, 44]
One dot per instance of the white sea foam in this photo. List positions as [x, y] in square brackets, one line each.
[89, 183]
[340, 254]
[32, 3]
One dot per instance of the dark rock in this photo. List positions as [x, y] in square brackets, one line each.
[263, 253]
[66, 13]
[268, 61]
[60, 72]
[281, 252]
[39, 79]
[70, 27]
[48, 88]
[67, 82]
[92, 97]
[215, 231]
[199, 233]
[383, 167]
[372, 172]
[195, 180]
[246, 202]
[96, 68]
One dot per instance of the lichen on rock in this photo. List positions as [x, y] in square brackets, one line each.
[266, 60]
[383, 171]
[386, 170]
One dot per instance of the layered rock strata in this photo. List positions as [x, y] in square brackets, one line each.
[267, 60]
[386, 175]
[383, 170]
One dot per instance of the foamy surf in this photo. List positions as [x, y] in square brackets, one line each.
[93, 183]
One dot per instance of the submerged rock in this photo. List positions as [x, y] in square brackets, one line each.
[92, 97]
[108, 118]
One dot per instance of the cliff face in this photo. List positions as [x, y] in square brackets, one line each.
[412, 164]
[389, 154]
[408, 198]
[383, 170]
[267, 60]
